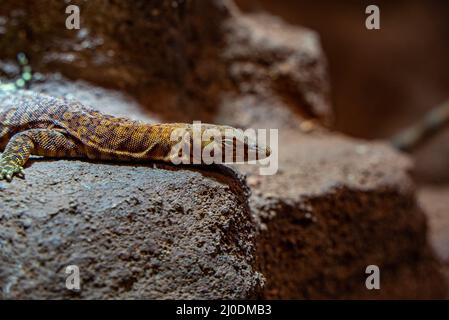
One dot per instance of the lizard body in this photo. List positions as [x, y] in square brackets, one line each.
[38, 124]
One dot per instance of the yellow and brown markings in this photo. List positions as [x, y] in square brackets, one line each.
[38, 124]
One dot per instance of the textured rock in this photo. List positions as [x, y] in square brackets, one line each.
[173, 66]
[268, 56]
[336, 206]
[180, 64]
[134, 232]
[435, 200]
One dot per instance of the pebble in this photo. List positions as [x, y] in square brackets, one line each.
[306, 126]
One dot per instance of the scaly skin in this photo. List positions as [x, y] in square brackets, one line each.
[38, 124]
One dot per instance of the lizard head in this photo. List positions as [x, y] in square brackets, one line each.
[236, 143]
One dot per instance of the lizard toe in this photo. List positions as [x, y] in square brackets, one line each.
[8, 171]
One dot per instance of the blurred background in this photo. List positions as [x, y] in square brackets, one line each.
[382, 80]
[385, 80]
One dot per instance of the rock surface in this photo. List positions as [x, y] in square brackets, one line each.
[435, 201]
[134, 232]
[335, 206]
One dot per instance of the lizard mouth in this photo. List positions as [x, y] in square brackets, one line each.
[261, 151]
[250, 150]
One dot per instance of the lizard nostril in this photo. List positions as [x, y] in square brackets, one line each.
[267, 151]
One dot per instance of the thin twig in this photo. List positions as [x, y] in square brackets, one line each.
[432, 123]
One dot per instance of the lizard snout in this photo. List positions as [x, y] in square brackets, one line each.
[261, 151]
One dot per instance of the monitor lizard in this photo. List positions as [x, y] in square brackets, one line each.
[33, 123]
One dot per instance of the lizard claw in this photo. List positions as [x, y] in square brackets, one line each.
[9, 170]
[21, 174]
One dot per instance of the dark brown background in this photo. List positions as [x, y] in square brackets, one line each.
[382, 80]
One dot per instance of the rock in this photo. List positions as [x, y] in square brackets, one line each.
[173, 66]
[435, 201]
[181, 63]
[268, 57]
[138, 232]
[330, 212]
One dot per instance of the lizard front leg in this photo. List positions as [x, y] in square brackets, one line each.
[41, 142]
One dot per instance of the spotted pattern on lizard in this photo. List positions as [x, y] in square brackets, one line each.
[38, 124]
